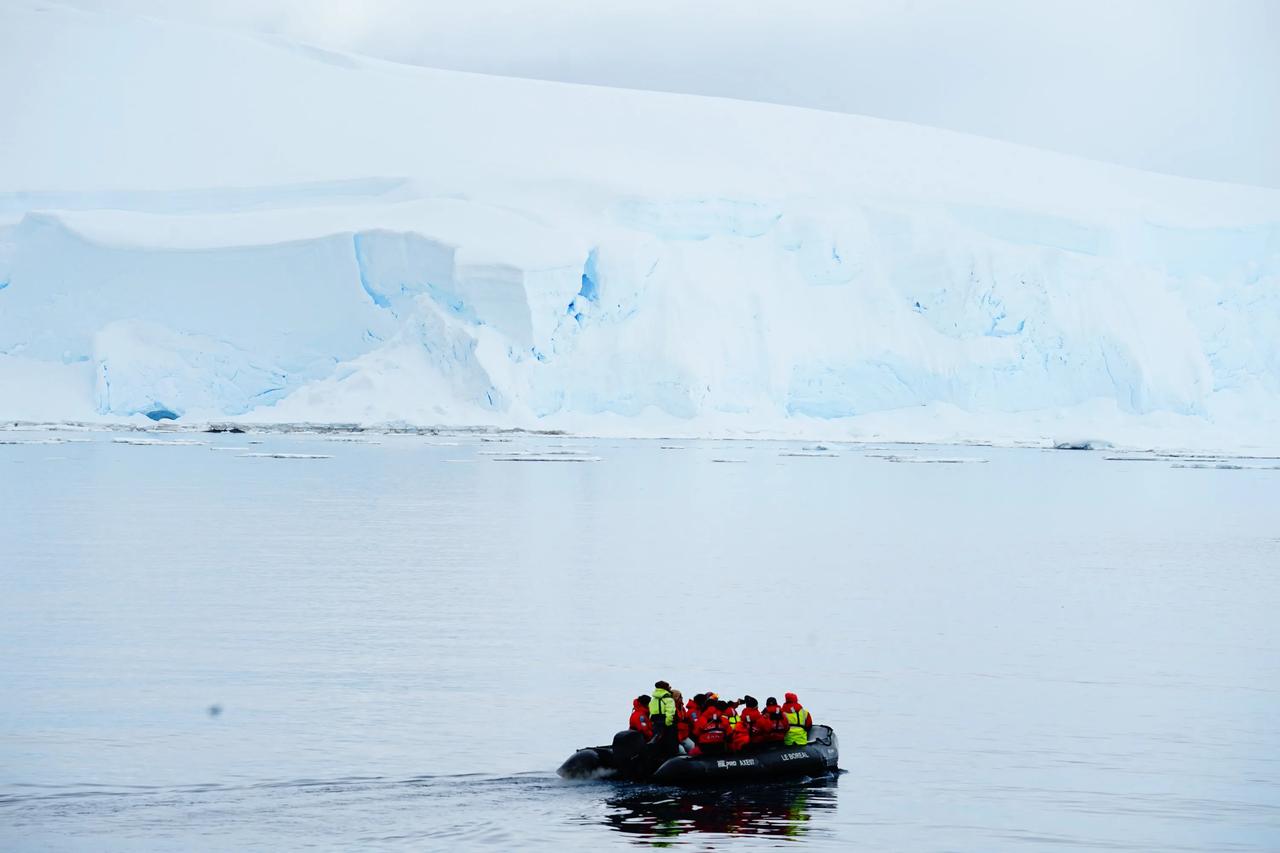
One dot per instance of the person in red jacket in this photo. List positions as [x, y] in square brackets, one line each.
[713, 731]
[739, 737]
[800, 720]
[773, 723]
[682, 717]
[729, 709]
[640, 717]
[748, 730]
[792, 700]
[693, 711]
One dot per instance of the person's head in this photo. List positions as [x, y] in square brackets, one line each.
[772, 700]
[661, 685]
[713, 697]
[677, 695]
[700, 699]
[751, 701]
[722, 705]
[792, 698]
[643, 699]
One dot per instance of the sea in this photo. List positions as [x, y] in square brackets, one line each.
[335, 639]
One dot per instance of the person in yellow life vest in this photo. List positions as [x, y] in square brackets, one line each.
[662, 716]
[799, 721]
[731, 720]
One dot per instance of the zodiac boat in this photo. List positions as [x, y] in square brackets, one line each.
[629, 757]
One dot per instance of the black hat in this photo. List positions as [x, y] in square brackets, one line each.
[662, 685]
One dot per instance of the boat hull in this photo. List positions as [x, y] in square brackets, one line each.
[817, 758]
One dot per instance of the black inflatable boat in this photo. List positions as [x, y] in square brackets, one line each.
[630, 758]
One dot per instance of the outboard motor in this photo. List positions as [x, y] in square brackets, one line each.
[631, 754]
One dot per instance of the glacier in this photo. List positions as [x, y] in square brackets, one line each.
[196, 224]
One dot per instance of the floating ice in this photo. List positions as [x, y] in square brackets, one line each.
[1083, 444]
[941, 460]
[283, 456]
[44, 440]
[159, 442]
[537, 458]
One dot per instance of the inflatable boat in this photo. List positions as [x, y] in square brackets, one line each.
[629, 757]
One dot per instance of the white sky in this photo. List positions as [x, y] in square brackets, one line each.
[1190, 87]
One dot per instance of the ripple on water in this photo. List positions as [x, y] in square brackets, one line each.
[483, 812]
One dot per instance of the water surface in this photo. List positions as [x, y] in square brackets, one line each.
[399, 641]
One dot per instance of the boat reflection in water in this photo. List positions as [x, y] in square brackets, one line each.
[655, 815]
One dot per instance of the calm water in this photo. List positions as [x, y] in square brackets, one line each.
[1039, 650]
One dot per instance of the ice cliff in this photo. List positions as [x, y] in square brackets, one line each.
[196, 224]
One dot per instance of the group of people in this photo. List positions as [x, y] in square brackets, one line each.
[709, 725]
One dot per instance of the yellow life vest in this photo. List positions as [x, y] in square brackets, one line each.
[796, 734]
[662, 707]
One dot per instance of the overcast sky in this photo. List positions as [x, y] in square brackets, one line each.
[1190, 87]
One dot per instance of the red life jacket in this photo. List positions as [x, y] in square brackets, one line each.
[773, 725]
[745, 731]
[749, 722]
[640, 719]
[683, 726]
[713, 728]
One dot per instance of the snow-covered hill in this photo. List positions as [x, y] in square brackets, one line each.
[201, 224]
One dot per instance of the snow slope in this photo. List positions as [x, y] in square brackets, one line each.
[201, 224]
